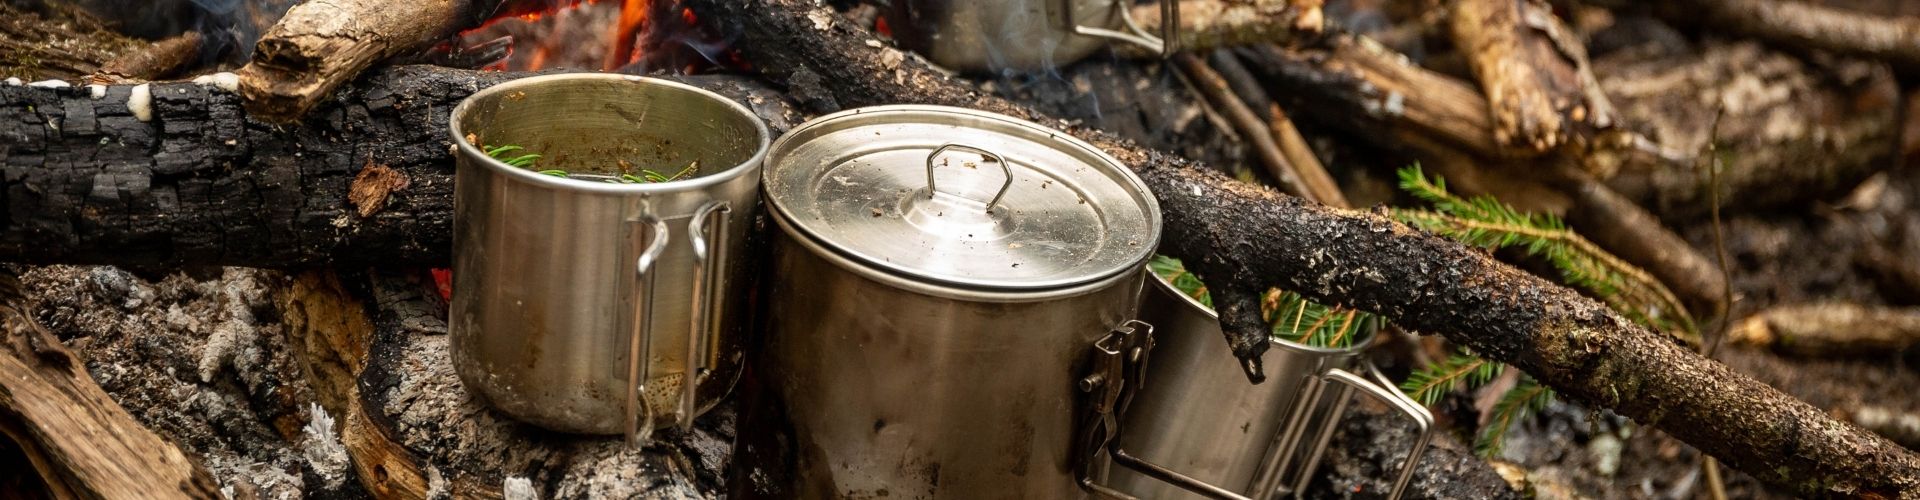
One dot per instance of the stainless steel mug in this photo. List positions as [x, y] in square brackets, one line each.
[1198, 429]
[590, 306]
[983, 35]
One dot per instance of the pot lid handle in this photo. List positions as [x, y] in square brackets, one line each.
[989, 154]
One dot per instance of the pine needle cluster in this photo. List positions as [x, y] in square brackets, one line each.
[1292, 317]
[1485, 222]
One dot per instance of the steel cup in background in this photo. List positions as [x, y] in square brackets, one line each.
[1199, 429]
[991, 35]
[595, 307]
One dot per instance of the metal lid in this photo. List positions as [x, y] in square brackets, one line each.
[962, 197]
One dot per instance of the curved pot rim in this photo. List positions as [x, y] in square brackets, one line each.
[750, 165]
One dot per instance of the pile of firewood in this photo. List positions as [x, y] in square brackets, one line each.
[288, 163]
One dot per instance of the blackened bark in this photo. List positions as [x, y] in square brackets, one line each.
[1243, 239]
[88, 182]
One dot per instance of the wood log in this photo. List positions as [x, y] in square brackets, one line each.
[80, 442]
[1788, 135]
[1540, 89]
[320, 45]
[1243, 239]
[1209, 24]
[197, 182]
[1831, 329]
[1892, 39]
[1360, 87]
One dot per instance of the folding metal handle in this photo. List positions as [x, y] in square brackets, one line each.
[1166, 44]
[1380, 389]
[1118, 369]
[996, 159]
[639, 415]
[707, 266]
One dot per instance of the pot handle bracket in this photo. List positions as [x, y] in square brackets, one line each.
[640, 345]
[1380, 388]
[1166, 44]
[1118, 369]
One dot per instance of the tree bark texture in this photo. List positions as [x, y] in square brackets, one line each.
[80, 442]
[89, 182]
[1243, 239]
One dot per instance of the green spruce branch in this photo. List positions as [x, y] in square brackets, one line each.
[1292, 317]
[1486, 222]
[1525, 398]
[1430, 385]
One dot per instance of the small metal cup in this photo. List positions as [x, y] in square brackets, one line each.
[1198, 429]
[599, 307]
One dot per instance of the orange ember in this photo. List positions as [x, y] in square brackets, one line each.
[633, 16]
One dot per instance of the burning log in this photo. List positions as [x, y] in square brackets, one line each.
[1244, 239]
[81, 443]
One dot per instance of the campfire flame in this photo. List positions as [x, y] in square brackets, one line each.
[606, 35]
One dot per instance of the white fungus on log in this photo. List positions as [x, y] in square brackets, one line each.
[223, 80]
[50, 84]
[140, 102]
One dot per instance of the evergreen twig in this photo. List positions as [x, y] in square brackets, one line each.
[1524, 399]
[1431, 384]
[1486, 222]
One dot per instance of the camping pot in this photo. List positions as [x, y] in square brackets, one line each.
[586, 305]
[952, 305]
[1198, 429]
[991, 35]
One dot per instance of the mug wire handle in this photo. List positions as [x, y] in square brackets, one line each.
[1167, 43]
[708, 262]
[640, 344]
[1381, 389]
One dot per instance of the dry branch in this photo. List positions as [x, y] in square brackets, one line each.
[1895, 40]
[1535, 75]
[1364, 89]
[1831, 329]
[319, 45]
[81, 443]
[1244, 239]
[1299, 180]
[1208, 24]
[158, 60]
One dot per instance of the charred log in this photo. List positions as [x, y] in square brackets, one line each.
[1244, 239]
[187, 178]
